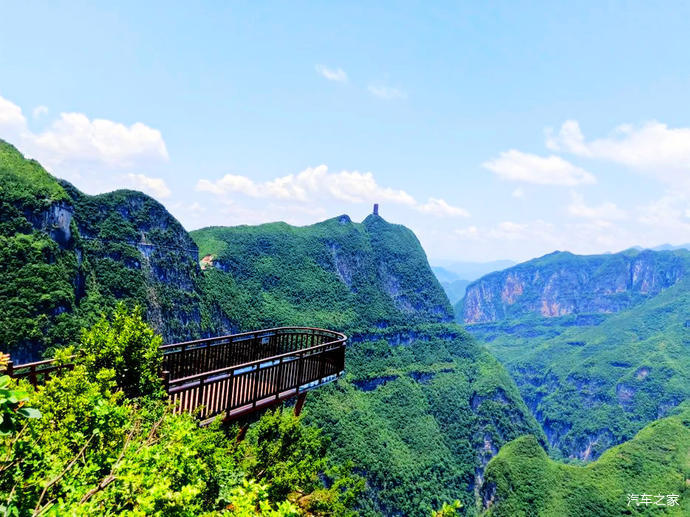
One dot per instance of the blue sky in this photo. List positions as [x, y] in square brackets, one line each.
[493, 131]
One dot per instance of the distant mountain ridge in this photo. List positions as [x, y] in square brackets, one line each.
[561, 283]
[598, 345]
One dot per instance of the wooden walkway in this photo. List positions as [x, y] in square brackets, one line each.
[237, 374]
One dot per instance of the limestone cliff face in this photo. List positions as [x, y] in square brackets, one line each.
[334, 273]
[562, 283]
[142, 254]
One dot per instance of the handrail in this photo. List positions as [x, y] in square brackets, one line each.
[259, 361]
[283, 362]
[242, 334]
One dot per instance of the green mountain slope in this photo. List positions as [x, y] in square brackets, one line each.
[422, 407]
[420, 413]
[561, 283]
[521, 480]
[42, 277]
[335, 273]
[66, 257]
[142, 255]
[594, 380]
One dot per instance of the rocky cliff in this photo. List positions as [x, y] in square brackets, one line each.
[335, 273]
[561, 283]
[141, 254]
[66, 257]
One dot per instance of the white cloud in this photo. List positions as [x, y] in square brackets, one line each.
[317, 185]
[651, 147]
[153, 186]
[310, 184]
[332, 74]
[386, 92]
[551, 170]
[518, 192]
[12, 120]
[534, 231]
[74, 139]
[604, 212]
[440, 208]
[38, 111]
[470, 232]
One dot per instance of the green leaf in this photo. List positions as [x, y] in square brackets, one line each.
[29, 412]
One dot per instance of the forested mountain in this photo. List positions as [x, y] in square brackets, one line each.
[334, 273]
[561, 283]
[593, 379]
[67, 257]
[646, 475]
[422, 407]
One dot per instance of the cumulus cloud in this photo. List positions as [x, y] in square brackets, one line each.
[12, 120]
[350, 186]
[317, 184]
[332, 74]
[74, 138]
[153, 186]
[534, 231]
[652, 147]
[604, 212]
[530, 168]
[441, 208]
[386, 92]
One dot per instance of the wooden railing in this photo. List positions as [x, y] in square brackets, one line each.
[37, 372]
[236, 374]
[263, 368]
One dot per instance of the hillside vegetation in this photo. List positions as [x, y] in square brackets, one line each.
[66, 257]
[422, 407]
[335, 273]
[594, 380]
[521, 480]
[420, 412]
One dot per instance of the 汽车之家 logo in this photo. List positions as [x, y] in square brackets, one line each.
[652, 500]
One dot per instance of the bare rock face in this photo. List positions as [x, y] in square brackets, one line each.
[561, 283]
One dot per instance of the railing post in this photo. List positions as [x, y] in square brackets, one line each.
[10, 368]
[300, 369]
[32, 376]
[281, 366]
[300, 403]
[199, 394]
[165, 377]
[256, 385]
[322, 365]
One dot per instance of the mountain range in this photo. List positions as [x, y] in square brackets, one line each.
[566, 354]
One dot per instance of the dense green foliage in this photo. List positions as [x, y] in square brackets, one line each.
[336, 274]
[422, 407]
[521, 480]
[593, 381]
[65, 257]
[94, 451]
[420, 410]
[39, 269]
[128, 346]
[140, 254]
[13, 407]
